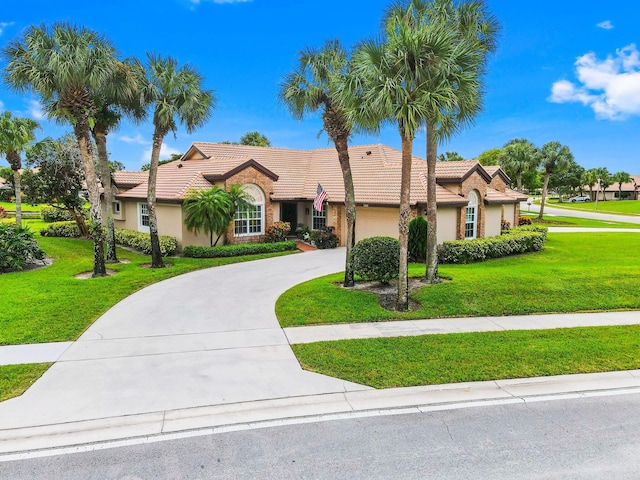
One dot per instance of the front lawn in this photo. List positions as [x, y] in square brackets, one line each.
[575, 272]
[620, 207]
[468, 357]
[11, 207]
[50, 305]
[15, 379]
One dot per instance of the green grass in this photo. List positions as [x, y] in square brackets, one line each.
[49, 304]
[15, 379]
[467, 357]
[11, 207]
[575, 272]
[619, 207]
[557, 221]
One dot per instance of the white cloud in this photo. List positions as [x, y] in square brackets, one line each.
[137, 139]
[607, 25]
[165, 153]
[35, 110]
[611, 87]
[4, 25]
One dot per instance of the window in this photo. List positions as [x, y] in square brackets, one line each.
[250, 221]
[319, 219]
[143, 217]
[115, 208]
[471, 221]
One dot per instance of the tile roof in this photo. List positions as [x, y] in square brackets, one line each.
[376, 173]
[450, 172]
[515, 194]
[494, 196]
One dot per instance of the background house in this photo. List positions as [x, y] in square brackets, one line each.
[472, 200]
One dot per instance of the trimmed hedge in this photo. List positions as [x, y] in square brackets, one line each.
[517, 240]
[52, 214]
[376, 259]
[142, 241]
[61, 229]
[237, 250]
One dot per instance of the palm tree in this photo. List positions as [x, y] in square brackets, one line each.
[208, 210]
[519, 156]
[174, 94]
[314, 85]
[604, 180]
[555, 158]
[15, 135]
[620, 178]
[65, 66]
[590, 178]
[427, 72]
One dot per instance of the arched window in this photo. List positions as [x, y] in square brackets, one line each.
[250, 221]
[471, 221]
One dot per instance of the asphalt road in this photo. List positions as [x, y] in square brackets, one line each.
[581, 438]
[566, 212]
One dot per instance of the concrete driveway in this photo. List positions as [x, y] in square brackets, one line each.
[205, 338]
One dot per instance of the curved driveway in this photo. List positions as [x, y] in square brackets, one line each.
[209, 337]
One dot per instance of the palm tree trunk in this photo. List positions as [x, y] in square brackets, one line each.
[402, 303]
[100, 137]
[432, 207]
[519, 181]
[350, 205]
[156, 254]
[16, 183]
[81, 130]
[544, 194]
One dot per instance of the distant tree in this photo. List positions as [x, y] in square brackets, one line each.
[490, 157]
[60, 176]
[450, 157]
[116, 166]
[519, 156]
[620, 178]
[175, 95]
[554, 158]
[604, 177]
[172, 158]
[590, 179]
[208, 210]
[570, 180]
[15, 134]
[255, 139]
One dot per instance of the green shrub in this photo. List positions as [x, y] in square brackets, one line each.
[53, 214]
[376, 259]
[517, 240]
[418, 239]
[18, 248]
[237, 250]
[278, 232]
[142, 241]
[61, 229]
[303, 232]
[324, 238]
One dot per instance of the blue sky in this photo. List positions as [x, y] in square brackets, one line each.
[566, 71]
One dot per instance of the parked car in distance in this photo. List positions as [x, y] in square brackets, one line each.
[580, 198]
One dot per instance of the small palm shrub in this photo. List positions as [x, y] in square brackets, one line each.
[376, 259]
[277, 232]
[418, 240]
[18, 248]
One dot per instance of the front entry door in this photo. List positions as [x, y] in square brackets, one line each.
[289, 213]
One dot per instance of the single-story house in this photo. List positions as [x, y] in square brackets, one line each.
[472, 200]
[630, 190]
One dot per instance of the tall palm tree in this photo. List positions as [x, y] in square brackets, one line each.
[65, 65]
[620, 178]
[603, 180]
[590, 178]
[554, 158]
[175, 95]
[313, 86]
[15, 135]
[519, 156]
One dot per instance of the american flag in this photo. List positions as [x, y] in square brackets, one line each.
[321, 196]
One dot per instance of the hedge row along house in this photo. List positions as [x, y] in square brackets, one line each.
[473, 201]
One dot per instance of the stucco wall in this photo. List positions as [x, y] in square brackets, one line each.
[510, 214]
[376, 221]
[493, 217]
[447, 224]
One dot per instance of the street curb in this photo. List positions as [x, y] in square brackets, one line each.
[48, 440]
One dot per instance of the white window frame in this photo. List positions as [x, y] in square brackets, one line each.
[116, 208]
[471, 217]
[143, 212]
[321, 218]
[248, 223]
